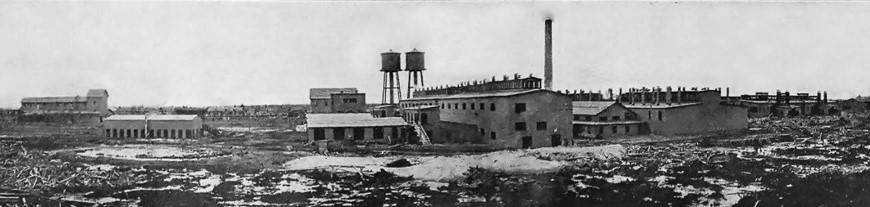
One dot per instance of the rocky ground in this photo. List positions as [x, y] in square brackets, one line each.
[806, 161]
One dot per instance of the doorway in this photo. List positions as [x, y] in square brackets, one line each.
[527, 142]
[359, 133]
[556, 140]
[338, 133]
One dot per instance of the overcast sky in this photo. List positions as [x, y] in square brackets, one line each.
[223, 53]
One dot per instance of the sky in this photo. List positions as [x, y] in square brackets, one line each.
[228, 53]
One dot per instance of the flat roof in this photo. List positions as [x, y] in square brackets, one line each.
[60, 99]
[606, 123]
[351, 120]
[172, 117]
[478, 95]
[325, 93]
[660, 106]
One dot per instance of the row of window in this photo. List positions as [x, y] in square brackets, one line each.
[518, 107]
[521, 126]
[613, 129]
[649, 114]
[161, 133]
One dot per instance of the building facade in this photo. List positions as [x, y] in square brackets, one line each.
[152, 126]
[605, 119]
[504, 114]
[763, 104]
[91, 108]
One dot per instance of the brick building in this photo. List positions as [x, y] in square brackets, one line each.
[152, 126]
[91, 108]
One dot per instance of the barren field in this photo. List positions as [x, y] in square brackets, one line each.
[806, 161]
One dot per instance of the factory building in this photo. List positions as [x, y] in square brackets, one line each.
[91, 108]
[356, 127]
[605, 119]
[337, 100]
[152, 126]
[762, 104]
[511, 113]
[685, 112]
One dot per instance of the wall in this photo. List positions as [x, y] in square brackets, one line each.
[368, 137]
[339, 106]
[154, 128]
[321, 105]
[709, 116]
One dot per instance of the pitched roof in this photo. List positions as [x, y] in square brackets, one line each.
[98, 93]
[479, 95]
[591, 107]
[173, 117]
[351, 120]
[64, 99]
[324, 93]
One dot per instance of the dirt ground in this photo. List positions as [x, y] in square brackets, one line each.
[778, 162]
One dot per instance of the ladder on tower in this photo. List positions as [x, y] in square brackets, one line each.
[424, 138]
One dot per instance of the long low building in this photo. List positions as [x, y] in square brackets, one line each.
[152, 126]
[355, 127]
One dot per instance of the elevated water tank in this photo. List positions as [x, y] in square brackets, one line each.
[414, 61]
[391, 61]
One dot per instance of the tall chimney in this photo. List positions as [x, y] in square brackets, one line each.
[548, 54]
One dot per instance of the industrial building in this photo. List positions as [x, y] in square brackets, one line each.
[605, 119]
[762, 104]
[337, 100]
[510, 113]
[91, 108]
[355, 127]
[9, 115]
[152, 126]
[685, 111]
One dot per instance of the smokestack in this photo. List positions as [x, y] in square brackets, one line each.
[548, 54]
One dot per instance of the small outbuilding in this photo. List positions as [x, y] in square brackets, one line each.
[355, 127]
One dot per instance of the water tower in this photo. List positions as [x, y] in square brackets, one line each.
[415, 67]
[391, 65]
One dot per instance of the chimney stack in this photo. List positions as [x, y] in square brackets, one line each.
[548, 54]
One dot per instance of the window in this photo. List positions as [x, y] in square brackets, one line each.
[519, 107]
[448, 106]
[349, 100]
[456, 106]
[541, 125]
[613, 129]
[603, 118]
[588, 118]
[472, 106]
[378, 133]
[442, 105]
[649, 114]
[482, 132]
[492, 107]
[627, 128]
[482, 107]
[660, 115]
[520, 126]
[492, 135]
[463, 106]
[615, 118]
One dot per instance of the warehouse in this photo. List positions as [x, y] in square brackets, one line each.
[91, 108]
[512, 113]
[685, 112]
[152, 126]
[605, 119]
[360, 127]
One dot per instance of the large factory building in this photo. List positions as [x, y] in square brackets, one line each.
[355, 127]
[91, 108]
[152, 126]
[512, 113]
